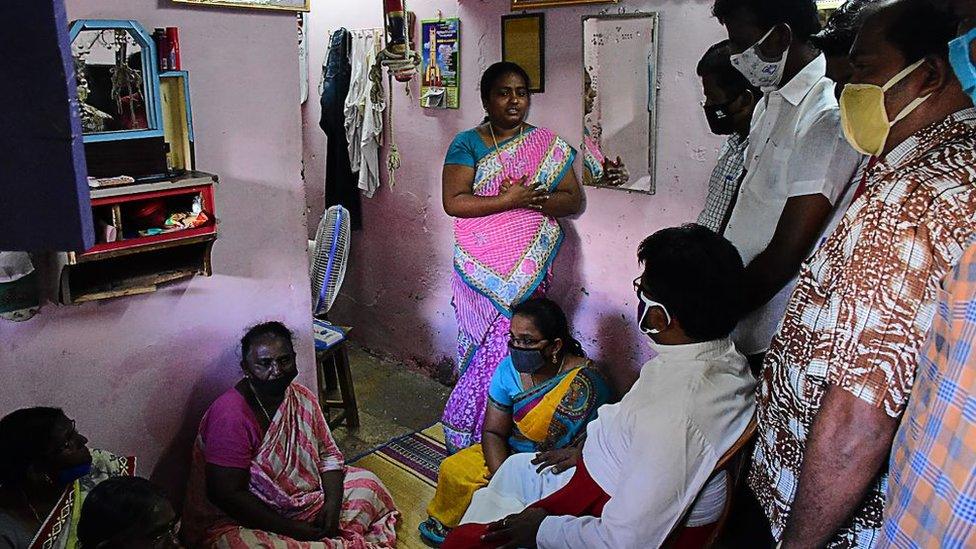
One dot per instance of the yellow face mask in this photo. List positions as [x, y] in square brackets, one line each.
[863, 115]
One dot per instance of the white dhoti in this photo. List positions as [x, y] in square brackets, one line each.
[515, 486]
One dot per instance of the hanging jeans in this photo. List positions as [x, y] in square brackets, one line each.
[341, 184]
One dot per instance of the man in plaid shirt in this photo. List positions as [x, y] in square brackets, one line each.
[932, 494]
[729, 102]
[932, 488]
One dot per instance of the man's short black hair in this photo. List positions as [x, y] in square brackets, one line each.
[918, 29]
[800, 15]
[716, 63]
[837, 36]
[117, 508]
[698, 276]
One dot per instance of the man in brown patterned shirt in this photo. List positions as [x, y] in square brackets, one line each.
[840, 369]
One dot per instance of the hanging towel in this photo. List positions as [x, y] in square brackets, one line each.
[364, 110]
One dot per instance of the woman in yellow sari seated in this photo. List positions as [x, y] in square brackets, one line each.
[541, 398]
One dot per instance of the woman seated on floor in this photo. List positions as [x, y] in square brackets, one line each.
[541, 398]
[266, 470]
[128, 513]
[46, 472]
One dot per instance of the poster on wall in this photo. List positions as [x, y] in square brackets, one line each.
[440, 63]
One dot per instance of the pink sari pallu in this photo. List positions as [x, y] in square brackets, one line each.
[505, 256]
[286, 475]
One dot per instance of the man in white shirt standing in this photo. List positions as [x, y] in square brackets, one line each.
[786, 195]
[648, 459]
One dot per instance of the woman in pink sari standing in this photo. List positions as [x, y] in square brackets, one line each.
[505, 182]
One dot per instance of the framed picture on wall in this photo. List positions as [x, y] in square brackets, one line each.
[287, 5]
[533, 4]
[524, 43]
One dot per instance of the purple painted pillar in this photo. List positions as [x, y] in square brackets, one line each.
[44, 200]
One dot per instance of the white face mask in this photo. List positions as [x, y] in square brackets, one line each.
[646, 305]
[760, 73]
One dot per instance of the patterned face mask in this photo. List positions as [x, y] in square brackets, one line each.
[760, 73]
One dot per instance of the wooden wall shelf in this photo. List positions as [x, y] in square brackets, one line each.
[134, 263]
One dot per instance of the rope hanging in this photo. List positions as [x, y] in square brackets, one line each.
[393, 155]
[403, 67]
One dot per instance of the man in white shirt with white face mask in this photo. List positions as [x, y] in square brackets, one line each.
[787, 193]
[647, 460]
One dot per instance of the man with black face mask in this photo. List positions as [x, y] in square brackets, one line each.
[729, 102]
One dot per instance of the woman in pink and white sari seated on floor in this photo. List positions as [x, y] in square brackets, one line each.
[266, 471]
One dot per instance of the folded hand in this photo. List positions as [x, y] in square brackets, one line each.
[518, 195]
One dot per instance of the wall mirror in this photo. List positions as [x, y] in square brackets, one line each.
[619, 100]
[117, 78]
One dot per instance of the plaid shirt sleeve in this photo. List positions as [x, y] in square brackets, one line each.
[887, 292]
[932, 490]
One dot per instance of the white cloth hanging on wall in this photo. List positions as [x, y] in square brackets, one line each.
[303, 57]
[364, 109]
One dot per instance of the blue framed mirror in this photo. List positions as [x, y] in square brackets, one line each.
[118, 80]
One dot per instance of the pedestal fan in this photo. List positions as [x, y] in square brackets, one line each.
[329, 258]
[331, 252]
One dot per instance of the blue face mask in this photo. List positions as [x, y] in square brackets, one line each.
[526, 361]
[962, 63]
[68, 475]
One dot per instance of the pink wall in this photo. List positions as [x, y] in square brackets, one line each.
[137, 373]
[396, 291]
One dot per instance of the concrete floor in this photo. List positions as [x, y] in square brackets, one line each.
[393, 401]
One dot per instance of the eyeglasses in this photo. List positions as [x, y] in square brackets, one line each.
[70, 439]
[524, 342]
[169, 536]
[649, 303]
[638, 286]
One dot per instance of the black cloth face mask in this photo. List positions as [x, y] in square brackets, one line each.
[274, 388]
[720, 120]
